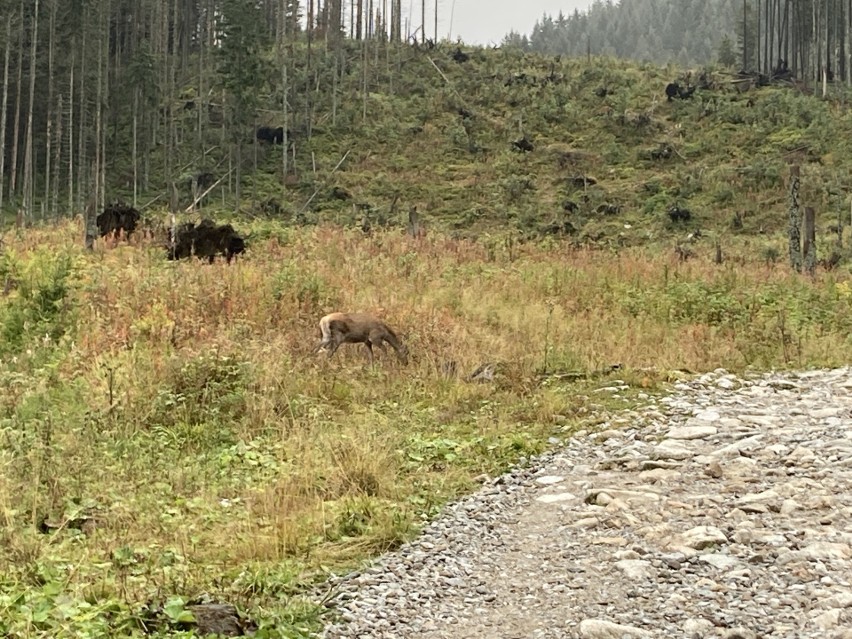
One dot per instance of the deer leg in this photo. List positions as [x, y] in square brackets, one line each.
[369, 346]
[377, 339]
[335, 345]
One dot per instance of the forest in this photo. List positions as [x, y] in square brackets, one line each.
[812, 36]
[135, 99]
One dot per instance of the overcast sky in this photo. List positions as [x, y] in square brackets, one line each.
[487, 21]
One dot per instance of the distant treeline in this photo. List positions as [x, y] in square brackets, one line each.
[811, 36]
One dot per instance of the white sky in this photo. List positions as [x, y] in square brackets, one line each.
[485, 21]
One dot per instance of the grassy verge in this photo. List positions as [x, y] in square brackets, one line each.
[165, 431]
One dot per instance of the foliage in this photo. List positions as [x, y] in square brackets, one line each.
[37, 310]
[241, 66]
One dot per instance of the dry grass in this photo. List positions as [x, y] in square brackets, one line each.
[181, 406]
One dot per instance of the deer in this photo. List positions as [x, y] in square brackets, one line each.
[358, 328]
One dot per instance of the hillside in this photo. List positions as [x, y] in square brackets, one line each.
[377, 127]
[439, 135]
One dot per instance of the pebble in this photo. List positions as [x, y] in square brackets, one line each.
[723, 510]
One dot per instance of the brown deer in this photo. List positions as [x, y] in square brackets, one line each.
[358, 328]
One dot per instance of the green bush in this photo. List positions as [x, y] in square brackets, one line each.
[38, 310]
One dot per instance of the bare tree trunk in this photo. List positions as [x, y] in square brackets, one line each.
[365, 60]
[436, 21]
[757, 37]
[71, 130]
[90, 215]
[135, 145]
[13, 177]
[28, 143]
[81, 121]
[285, 94]
[57, 160]
[94, 198]
[50, 112]
[101, 139]
[5, 102]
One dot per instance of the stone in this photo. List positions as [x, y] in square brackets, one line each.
[671, 449]
[602, 629]
[826, 551]
[696, 628]
[828, 620]
[556, 498]
[702, 537]
[635, 568]
[548, 480]
[721, 561]
[714, 469]
[692, 432]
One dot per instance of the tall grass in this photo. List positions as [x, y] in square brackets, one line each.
[165, 429]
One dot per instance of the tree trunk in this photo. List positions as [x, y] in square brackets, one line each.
[135, 145]
[90, 215]
[50, 113]
[71, 130]
[13, 177]
[94, 198]
[809, 243]
[28, 143]
[81, 121]
[794, 221]
[57, 159]
[5, 102]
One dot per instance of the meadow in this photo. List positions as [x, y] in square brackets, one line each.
[166, 431]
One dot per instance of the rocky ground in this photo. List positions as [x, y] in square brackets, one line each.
[723, 510]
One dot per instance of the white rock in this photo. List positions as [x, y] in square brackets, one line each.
[659, 474]
[825, 551]
[840, 600]
[556, 498]
[702, 537]
[635, 568]
[693, 628]
[829, 411]
[708, 416]
[671, 449]
[692, 432]
[829, 619]
[753, 498]
[721, 561]
[602, 629]
[547, 480]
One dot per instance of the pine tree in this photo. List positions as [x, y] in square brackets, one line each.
[726, 54]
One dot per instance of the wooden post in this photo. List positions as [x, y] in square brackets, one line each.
[809, 244]
[795, 221]
[717, 259]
